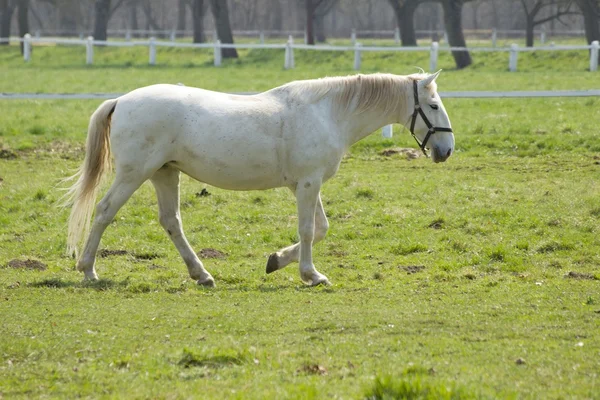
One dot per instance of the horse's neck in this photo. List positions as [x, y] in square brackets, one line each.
[359, 126]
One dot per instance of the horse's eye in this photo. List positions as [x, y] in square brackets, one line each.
[434, 106]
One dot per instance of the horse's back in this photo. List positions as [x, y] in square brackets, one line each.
[230, 141]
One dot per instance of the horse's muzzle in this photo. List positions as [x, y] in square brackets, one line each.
[440, 155]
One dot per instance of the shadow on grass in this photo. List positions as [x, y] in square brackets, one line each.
[58, 283]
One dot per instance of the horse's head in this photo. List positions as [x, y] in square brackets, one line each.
[429, 122]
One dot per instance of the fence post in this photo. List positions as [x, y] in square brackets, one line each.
[397, 35]
[357, 56]
[387, 132]
[594, 55]
[173, 35]
[152, 51]
[494, 37]
[89, 50]
[289, 54]
[543, 36]
[445, 37]
[38, 34]
[27, 47]
[261, 37]
[353, 37]
[217, 53]
[512, 60]
[433, 56]
[128, 35]
[215, 35]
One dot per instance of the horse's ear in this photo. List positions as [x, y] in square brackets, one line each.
[429, 79]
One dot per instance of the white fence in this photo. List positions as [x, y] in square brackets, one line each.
[290, 46]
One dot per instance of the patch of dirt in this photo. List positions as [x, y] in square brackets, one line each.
[520, 361]
[154, 266]
[146, 256]
[580, 275]
[437, 224]
[6, 154]
[27, 264]
[413, 269]
[410, 154]
[203, 193]
[211, 253]
[103, 253]
[312, 369]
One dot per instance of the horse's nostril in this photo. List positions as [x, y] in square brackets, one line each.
[449, 152]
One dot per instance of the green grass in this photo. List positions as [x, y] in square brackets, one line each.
[476, 278]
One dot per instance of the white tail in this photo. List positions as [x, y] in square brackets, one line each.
[97, 160]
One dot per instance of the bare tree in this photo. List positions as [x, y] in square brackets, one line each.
[405, 17]
[23, 18]
[591, 19]
[181, 9]
[533, 7]
[454, 29]
[198, 12]
[6, 12]
[310, 18]
[220, 13]
[323, 8]
[102, 14]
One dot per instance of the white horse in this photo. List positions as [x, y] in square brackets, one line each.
[294, 136]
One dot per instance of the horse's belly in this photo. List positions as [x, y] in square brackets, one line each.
[247, 167]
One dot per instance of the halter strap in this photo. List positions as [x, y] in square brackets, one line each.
[431, 129]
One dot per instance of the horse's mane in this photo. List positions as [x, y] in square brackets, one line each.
[357, 93]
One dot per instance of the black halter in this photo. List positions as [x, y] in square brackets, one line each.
[432, 129]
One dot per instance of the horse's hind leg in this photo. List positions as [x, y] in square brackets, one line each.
[119, 192]
[291, 253]
[166, 183]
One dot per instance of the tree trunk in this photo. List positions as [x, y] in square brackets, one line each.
[23, 18]
[133, 19]
[456, 38]
[181, 16]
[6, 12]
[529, 26]
[102, 12]
[220, 13]
[198, 20]
[406, 23]
[405, 17]
[591, 20]
[310, 14]
[69, 17]
[319, 24]
[276, 16]
[322, 9]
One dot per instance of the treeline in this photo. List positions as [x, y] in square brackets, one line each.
[319, 19]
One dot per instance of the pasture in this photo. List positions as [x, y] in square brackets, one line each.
[475, 278]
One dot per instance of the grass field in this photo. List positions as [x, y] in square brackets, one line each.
[476, 278]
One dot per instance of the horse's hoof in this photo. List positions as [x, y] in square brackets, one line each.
[90, 277]
[210, 282]
[324, 282]
[273, 263]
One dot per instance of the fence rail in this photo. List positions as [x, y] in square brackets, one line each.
[289, 47]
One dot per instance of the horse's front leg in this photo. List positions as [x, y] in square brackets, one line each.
[291, 253]
[307, 197]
